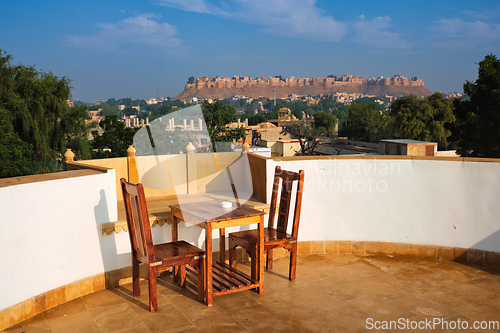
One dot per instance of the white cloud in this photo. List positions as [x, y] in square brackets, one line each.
[373, 33]
[457, 33]
[140, 29]
[299, 19]
[286, 18]
[198, 6]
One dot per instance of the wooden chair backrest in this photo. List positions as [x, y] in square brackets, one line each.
[287, 178]
[139, 228]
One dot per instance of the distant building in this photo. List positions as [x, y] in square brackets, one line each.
[407, 147]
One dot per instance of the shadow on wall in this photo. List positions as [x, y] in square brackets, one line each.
[109, 253]
[474, 256]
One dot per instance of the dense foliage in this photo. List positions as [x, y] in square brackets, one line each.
[367, 122]
[37, 124]
[325, 122]
[477, 128]
[115, 139]
[217, 115]
[425, 119]
[306, 134]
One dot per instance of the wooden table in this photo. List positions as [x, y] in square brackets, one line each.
[220, 278]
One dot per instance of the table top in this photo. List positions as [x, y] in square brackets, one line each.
[212, 212]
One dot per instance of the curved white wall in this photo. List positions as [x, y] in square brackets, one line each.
[435, 202]
[50, 235]
[50, 231]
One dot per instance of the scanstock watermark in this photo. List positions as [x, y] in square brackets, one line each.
[368, 176]
[431, 324]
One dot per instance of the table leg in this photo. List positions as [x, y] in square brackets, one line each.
[260, 270]
[175, 238]
[222, 245]
[208, 263]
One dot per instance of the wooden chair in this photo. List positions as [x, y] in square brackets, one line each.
[274, 237]
[158, 257]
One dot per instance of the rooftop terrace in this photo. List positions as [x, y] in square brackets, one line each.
[332, 293]
[382, 237]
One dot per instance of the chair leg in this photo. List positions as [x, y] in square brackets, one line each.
[293, 262]
[253, 264]
[136, 287]
[232, 254]
[201, 279]
[182, 276]
[269, 261]
[153, 302]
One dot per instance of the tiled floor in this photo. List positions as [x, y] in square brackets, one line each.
[332, 293]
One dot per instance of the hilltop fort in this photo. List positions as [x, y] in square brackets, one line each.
[224, 87]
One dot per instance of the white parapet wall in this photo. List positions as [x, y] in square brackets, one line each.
[50, 230]
[418, 201]
[50, 235]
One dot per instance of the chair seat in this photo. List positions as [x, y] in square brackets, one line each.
[175, 249]
[248, 238]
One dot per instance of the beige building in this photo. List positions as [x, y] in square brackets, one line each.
[407, 147]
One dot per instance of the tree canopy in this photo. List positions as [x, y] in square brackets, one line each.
[425, 119]
[115, 139]
[306, 134]
[367, 123]
[109, 111]
[325, 122]
[217, 115]
[37, 123]
[478, 118]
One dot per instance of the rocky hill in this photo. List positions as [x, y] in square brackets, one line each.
[223, 87]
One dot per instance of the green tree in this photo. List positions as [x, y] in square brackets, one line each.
[325, 122]
[426, 120]
[256, 119]
[115, 139]
[111, 102]
[157, 139]
[39, 117]
[249, 110]
[366, 123]
[15, 154]
[93, 107]
[306, 134]
[110, 111]
[129, 111]
[298, 114]
[217, 115]
[191, 79]
[478, 118]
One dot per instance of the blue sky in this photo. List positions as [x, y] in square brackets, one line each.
[129, 48]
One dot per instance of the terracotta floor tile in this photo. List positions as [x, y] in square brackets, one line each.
[81, 322]
[220, 324]
[101, 299]
[116, 318]
[257, 318]
[34, 324]
[193, 310]
[68, 308]
[478, 311]
[332, 293]
[166, 319]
